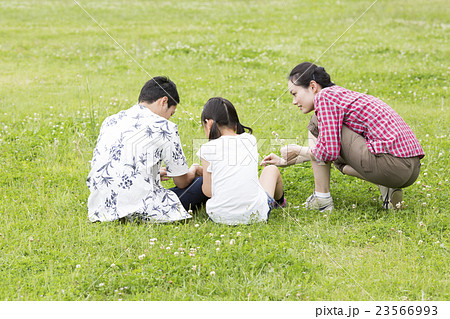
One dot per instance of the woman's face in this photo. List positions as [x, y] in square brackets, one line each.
[303, 97]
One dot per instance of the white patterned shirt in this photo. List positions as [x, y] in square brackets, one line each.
[124, 177]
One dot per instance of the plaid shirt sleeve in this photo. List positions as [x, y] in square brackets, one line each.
[330, 116]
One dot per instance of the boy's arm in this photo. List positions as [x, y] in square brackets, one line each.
[185, 180]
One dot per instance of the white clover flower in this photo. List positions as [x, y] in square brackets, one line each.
[232, 242]
[238, 233]
[217, 242]
[113, 265]
[141, 256]
[167, 248]
[101, 284]
[152, 243]
[400, 232]
[191, 254]
[212, 273]
[424, 204]
[194, 268]
[222, 236]
[190, 211]
[176, 253]
[420, 242]
[78, 266]
[217, 249]
[354, 206]
[197, 225]
[211, 234]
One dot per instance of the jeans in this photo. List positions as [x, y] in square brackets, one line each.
[192, 196]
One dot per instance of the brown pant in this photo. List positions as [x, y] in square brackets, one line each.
[381, 169]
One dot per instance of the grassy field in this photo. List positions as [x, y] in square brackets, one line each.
[61, 75]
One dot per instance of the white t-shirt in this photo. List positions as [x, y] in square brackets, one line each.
[236, 195]
[124, 177]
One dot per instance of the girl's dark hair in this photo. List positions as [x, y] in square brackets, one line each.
[223, 113]
[306, 72]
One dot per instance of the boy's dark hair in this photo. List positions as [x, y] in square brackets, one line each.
[157, 88]
[223, 113]
[306, 72]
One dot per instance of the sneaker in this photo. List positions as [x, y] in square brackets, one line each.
[322, 204]
[391, 197]
[280, 203]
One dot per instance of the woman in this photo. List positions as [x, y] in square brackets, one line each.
[359, 133]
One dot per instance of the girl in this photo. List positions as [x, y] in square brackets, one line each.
[359, 133]
[230, 169]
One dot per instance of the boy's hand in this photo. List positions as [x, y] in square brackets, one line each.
[163, 174]
[198, 169]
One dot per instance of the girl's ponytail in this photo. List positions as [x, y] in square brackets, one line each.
[241, 129]
[214, 132]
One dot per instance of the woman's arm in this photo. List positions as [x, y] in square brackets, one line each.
[290, 154]
[330, 116]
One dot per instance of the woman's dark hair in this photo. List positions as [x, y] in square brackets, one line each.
[223, 113]
[157, 88]
[305, 72]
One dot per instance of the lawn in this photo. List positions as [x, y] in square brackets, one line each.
[62, 74]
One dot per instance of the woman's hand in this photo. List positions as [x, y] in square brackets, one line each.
[290, 154]
[295, 154]
[273, 159]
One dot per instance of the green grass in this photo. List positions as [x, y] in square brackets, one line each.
[61, 75]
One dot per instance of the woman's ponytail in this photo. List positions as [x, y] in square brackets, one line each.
[305, 72]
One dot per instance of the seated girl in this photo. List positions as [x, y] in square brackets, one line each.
[230, 169]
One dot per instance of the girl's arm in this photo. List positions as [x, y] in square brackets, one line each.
[206, 187]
